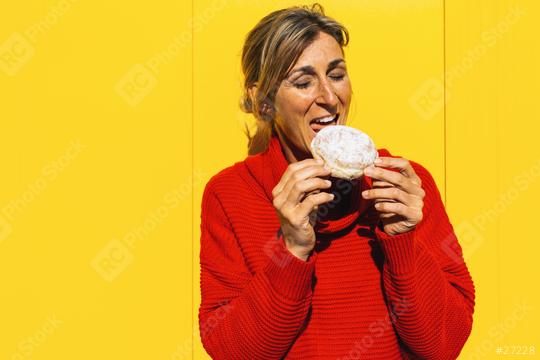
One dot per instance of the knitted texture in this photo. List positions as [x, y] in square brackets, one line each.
[362, 294]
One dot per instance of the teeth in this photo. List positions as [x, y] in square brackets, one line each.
[325, 120]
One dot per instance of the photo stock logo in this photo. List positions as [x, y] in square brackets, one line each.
[49, 173]
[142, 78]
[118, 254]
[470, 233]
[432, 95]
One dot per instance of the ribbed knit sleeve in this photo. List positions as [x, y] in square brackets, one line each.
[244, 315]
[429, 289]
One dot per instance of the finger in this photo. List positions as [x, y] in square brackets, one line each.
[387, 215]
[402, 164]
[409, 213]
[310, 202]
[304, 174]
[377, 184]
[300, 188]
[285, 201]
[291, 169]
[392, 193]
[381, 184]
[395, 178]
[393, 218]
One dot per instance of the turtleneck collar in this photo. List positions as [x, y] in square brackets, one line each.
[268, 167]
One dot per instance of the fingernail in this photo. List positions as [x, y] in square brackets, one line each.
[320, 161]
[377, 161]
[364, 193]
[328, 182]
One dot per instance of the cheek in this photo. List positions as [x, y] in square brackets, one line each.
[292, 106]
[344, 91]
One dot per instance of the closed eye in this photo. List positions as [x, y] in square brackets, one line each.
[302, 85]
[337, 77]
[305, 85]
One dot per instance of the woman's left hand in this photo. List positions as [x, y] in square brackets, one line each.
[398, 196]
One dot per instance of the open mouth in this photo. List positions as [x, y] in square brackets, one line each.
[317, 124]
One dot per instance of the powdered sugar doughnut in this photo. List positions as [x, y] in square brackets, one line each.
[345, 150]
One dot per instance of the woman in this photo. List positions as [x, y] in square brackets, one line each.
[298, 265]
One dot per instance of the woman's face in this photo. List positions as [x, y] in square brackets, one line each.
[315, 93]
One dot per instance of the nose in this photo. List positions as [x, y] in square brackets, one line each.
[327, 95]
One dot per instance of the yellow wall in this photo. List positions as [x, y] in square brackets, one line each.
[493, 165]
[95, 250]
[115, 114]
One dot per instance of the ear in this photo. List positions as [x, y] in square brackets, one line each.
[266, 109]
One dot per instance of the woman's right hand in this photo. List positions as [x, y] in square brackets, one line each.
[296, 199]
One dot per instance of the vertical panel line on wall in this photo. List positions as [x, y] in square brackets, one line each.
[444, 97]
[499, 176]
[192, 170]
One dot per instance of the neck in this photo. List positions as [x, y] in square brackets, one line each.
[291, 152]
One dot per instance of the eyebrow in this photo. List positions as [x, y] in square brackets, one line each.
[310, 70]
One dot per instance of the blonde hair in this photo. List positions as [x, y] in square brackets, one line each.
[270, 50]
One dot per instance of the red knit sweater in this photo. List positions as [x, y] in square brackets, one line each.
[362, 294]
